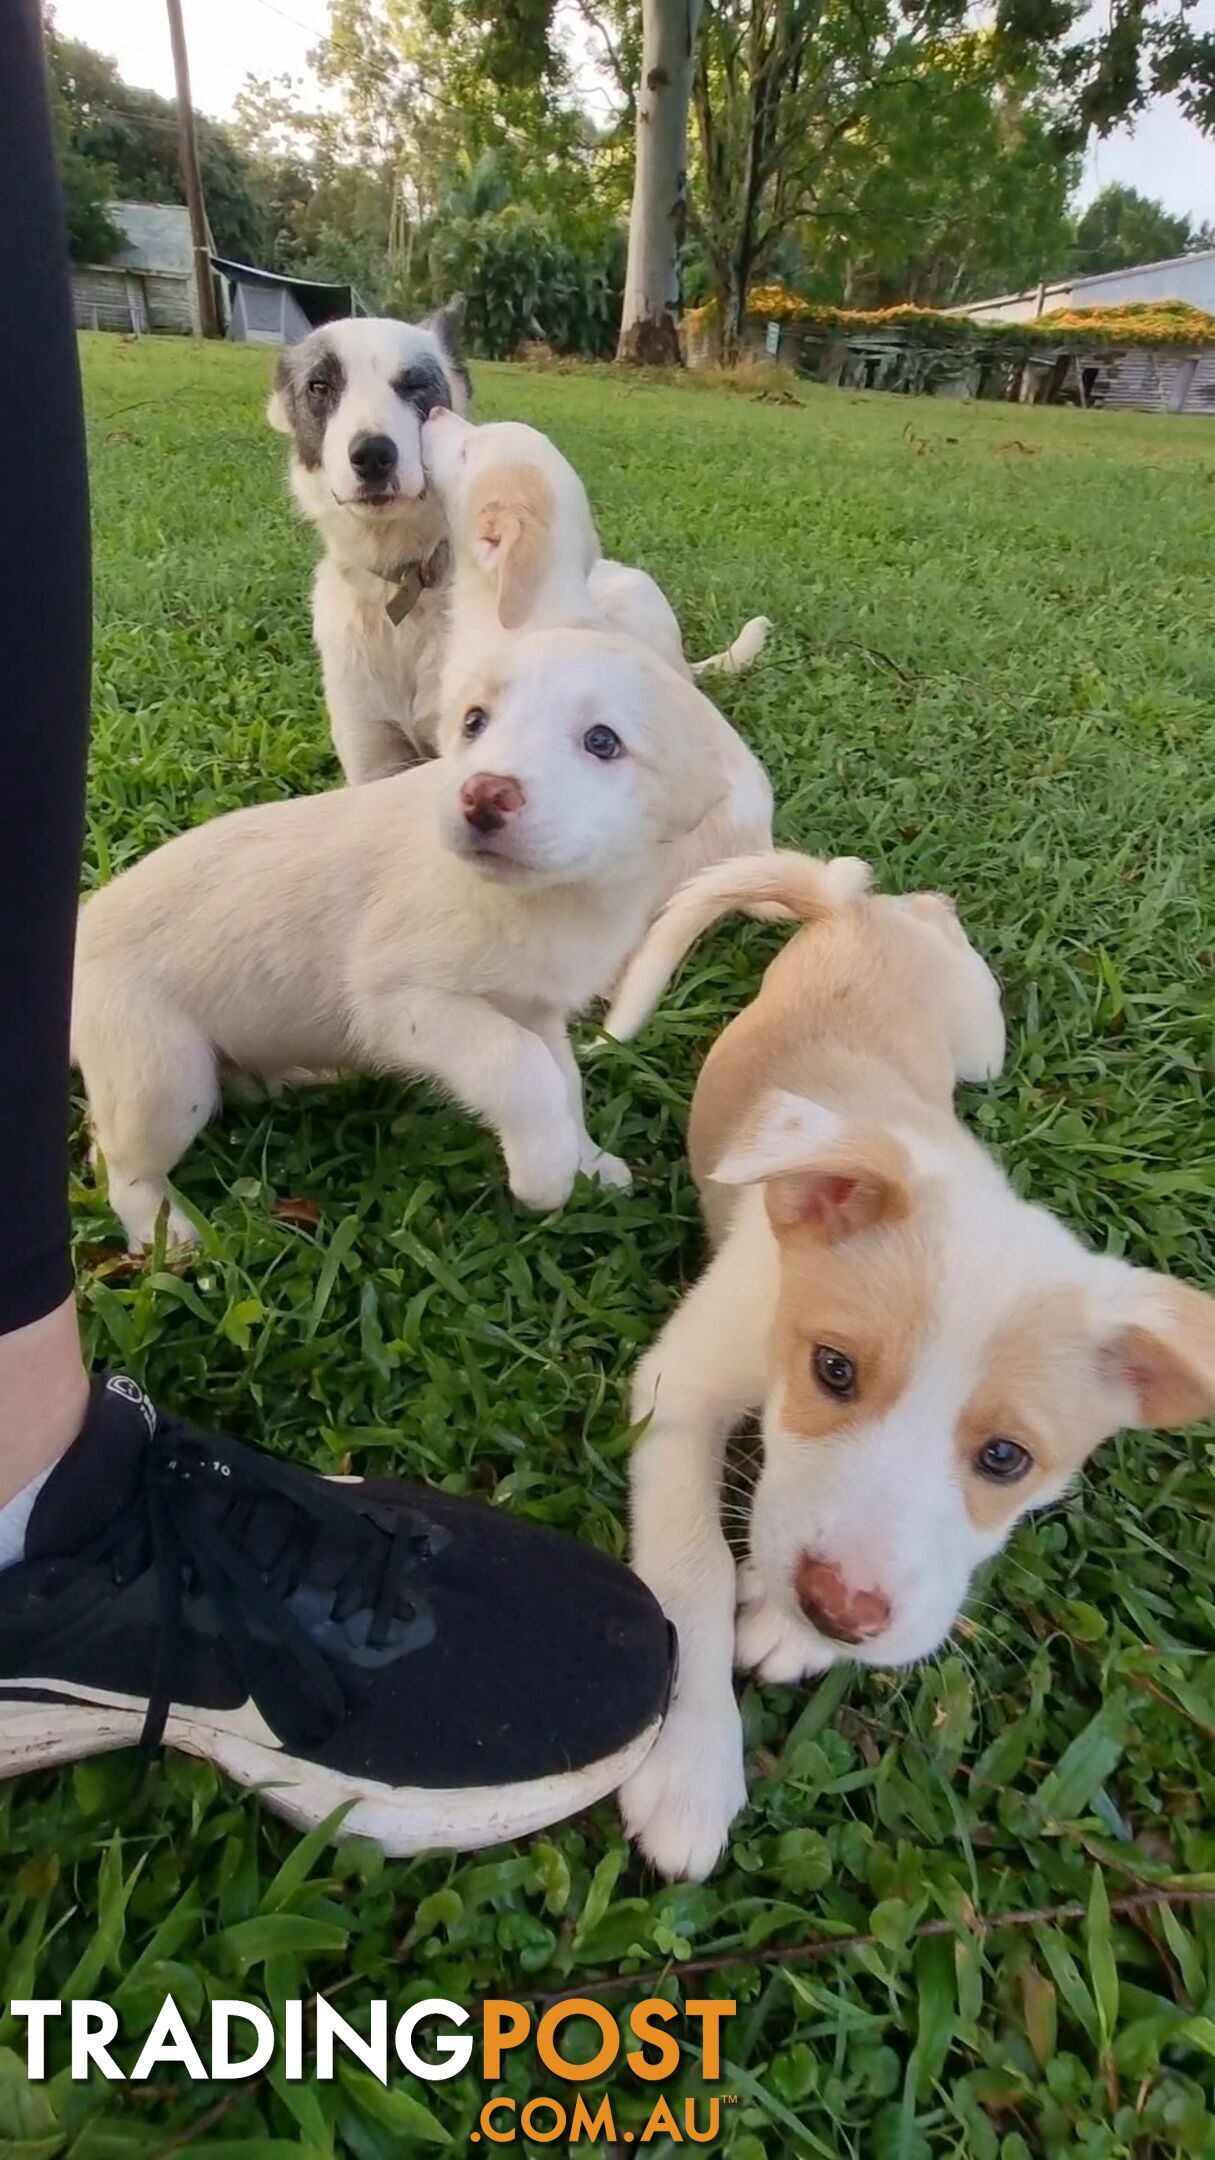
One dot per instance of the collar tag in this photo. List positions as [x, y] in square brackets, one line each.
[411, 580]
[404, 597]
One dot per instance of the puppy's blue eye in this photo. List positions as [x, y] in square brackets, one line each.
[1003, 1461]
[476, 720]
[602, 742]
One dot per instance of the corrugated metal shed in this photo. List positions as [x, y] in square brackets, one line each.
[107, 299]
[149, 284]
[1162, 380]
[172, 303]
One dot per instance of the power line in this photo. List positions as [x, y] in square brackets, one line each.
[311, 28]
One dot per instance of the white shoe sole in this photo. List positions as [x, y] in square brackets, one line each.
[401, 1819]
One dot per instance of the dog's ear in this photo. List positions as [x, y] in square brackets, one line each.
[278, 411]
[511, 550]
[512, 535]
[1161, 1350]
[821, 1174]
[447, 324]
[689, 747]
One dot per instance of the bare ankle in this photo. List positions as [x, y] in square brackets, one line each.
[44, 1394]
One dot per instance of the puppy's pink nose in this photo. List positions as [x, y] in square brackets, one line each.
[488, 799]
[831, 1605]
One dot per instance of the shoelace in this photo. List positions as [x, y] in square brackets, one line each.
[194, 1518]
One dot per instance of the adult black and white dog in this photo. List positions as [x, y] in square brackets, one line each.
[353, 396]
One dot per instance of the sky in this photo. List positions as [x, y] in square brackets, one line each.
[1165, 156]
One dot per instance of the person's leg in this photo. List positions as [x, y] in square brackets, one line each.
[44, 678]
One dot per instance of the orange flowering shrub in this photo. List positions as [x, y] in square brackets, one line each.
[1140, 322]
[1136, 322]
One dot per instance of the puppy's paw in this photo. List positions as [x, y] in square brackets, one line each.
[679, 1806]
[983, 1052]
[606, 1169]
[140, 1206]
[542, 1177]
[771, 1643]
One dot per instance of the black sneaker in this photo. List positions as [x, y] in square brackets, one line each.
[460, 1676]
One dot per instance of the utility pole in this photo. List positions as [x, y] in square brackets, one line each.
[208, 320]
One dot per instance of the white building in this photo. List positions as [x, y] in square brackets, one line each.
[1177, 277]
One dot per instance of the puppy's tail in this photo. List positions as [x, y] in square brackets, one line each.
[746, 648]
[778, 883]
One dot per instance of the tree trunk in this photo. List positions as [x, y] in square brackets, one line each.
[733, 327]
[649, 322]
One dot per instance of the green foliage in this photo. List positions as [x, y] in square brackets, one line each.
[1111, 64]
[515, 39]
[1121, 228]
[987, 678]
[423, 173]
[88, 189]
[957, 187]
[522, 281]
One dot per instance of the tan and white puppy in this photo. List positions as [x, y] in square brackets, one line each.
[352, 397]
[527, 554]
[933, 1356]
[444, 922]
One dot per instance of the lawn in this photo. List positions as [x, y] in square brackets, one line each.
[993, 673]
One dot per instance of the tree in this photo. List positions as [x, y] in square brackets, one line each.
[788, 96]
[959, 187]
[781, 87]
[431, 119]
[658, 218]
[1121, 228]
[120, 142]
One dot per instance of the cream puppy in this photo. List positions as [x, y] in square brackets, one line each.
[933, 1356]
[444, 922]
[526, 553]
[518, 514]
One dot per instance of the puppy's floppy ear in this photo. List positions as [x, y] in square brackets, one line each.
[689, 746]
[822, 1175]
[1161, 1350]
[278, 411]
[512, 534]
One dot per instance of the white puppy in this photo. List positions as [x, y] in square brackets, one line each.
[526, 553]
[933, 1356]
[352, 397]
[445, 922]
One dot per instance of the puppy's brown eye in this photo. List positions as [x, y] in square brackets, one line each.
[1002, 1461]
[319, 387]
[835, 1372]
[476, 720]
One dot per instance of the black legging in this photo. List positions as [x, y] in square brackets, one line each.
[44, 681]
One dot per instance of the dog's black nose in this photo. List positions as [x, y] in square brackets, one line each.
[374, 458]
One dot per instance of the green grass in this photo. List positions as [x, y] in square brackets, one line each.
[993, 672]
